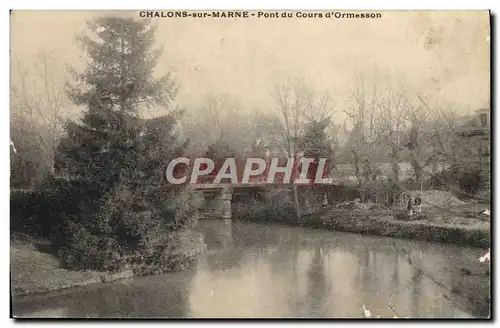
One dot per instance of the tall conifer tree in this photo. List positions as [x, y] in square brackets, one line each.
[113, 154]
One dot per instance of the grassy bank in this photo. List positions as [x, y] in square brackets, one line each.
[382, 224]
[34, 270]
[429, 227]
[459, 223]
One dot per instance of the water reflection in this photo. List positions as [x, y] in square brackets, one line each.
[155, 297]
[250, 270]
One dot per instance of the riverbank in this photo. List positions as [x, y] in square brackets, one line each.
[34, 270]
[443, 217]
[461, 231]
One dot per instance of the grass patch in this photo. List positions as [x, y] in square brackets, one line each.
[34, 271]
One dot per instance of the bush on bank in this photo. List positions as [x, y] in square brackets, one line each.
[118, 230]
[467, 179]
[276, 204]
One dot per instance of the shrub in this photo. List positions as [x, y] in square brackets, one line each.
[279, 205]
[248, 209]
[80, 249]
[342, 192]
[40, 211]
[273, 205]
[127, 227]
[23, 212]
[468, 178]
[441, 179]
[179, 208]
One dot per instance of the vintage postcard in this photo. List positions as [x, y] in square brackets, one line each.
[250, 164]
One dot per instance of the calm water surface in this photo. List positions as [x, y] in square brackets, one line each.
[252, 270]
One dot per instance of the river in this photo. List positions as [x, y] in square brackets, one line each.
[269, 271]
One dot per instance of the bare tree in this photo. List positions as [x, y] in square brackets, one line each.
[364, 134]
[297, 105]
[451, 146]
[393, 108]
[421, 139]
[446, 121]
[39, 101]
[218, 119]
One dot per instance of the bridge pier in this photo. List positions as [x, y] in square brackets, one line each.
[217, 203]
[224, 197]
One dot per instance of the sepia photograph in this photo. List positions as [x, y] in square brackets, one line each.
[250, 164]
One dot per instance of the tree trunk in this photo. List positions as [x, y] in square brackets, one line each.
[358, 177]
[395, 173]
[417, 169]
[295, 191]
[415, 165]
[296, 201]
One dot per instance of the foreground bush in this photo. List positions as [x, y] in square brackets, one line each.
[128, 229]
[179, 207]
[38, 212]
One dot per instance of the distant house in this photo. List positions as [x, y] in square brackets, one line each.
[474, 135]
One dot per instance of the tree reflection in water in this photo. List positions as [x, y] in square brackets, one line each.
[319, 287]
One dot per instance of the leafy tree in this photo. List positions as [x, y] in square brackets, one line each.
[315, 143]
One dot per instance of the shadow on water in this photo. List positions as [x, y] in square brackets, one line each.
[154, 297]
[253, 270]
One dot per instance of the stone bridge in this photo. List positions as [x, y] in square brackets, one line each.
[218, 197]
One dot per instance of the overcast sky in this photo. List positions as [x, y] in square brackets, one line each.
[443, 55]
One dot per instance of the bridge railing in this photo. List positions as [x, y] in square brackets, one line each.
[253, 179]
